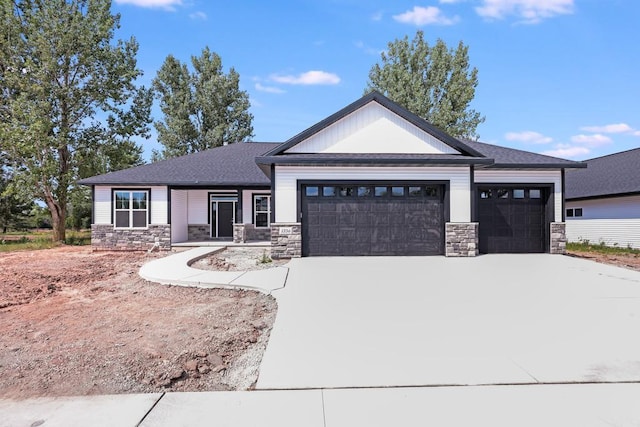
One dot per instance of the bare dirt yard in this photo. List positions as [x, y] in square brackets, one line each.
[239, 259]
[625, 260]
[77, 322]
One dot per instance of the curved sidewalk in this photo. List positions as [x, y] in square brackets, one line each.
[175, 270]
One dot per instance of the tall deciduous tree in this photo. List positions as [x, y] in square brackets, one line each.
[68, 95]
[434, 82]
[203, 108]
[14, 209]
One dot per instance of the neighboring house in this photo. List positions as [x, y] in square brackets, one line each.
[603, 201]
[371, 179]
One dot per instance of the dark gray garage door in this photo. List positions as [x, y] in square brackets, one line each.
[372, 220]
[512, 220]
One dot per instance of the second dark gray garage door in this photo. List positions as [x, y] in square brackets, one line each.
[372, 220]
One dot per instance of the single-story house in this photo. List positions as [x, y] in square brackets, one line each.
[603, 201]
[371, 179]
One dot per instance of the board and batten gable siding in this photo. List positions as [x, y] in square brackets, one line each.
[506, 176]
[372, 129]
[103, 204]
[287, 177]
[179, 212]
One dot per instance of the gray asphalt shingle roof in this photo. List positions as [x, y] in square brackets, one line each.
[247, 164]
[610, 175]
[511, 157]
[232, 164]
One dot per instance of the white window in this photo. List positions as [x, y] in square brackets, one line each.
[131, 208]
[262, 210]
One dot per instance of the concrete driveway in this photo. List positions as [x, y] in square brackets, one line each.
[494, 319]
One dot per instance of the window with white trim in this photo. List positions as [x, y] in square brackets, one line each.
[131, 208]
[261, 210]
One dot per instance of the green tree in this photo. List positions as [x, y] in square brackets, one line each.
[68, 95]
[202, 109]
[433, 82]
[14, 210]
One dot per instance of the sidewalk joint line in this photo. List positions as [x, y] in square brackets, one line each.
[373, 387]
[151, 409]
[525, 371]
[324, 417]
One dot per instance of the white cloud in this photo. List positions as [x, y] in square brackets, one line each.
[529, 137]
[161, 4]
[367, 49]
[594, 140]
[450, 1]
[313, 77]
[198, 15]
[268, 89]
[377, 16]
[636, 133]
[567, 151]
[429, 15]
[529, 11]
[613, 128]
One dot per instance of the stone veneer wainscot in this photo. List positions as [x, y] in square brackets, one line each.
[250, 233]
[286, 245]
[558, 238]
[461, 239]
[104, 237]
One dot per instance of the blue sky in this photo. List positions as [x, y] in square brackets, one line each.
[558, 77]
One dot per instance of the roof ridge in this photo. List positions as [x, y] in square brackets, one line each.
[612, 154]
[520, 150]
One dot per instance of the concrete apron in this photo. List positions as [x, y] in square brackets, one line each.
[494, 319]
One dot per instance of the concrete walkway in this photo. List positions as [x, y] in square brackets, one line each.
[566, 405]
[175, 270]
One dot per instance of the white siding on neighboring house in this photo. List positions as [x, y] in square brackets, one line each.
[179, 230]
[526, 177]
[159, 205]
[102, 205]
[287, 177]
[372, 129]
[198, 207]
[613, 221]
[611, 232]
[609, 208]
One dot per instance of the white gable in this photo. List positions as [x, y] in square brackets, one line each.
[372, 129]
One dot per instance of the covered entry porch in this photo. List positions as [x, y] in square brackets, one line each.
[220, 214]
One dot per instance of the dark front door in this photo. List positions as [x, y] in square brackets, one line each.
[375, 219]
[225, 219]
[512, 220]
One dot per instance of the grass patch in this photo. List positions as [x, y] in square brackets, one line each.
[16, 241]
[602, 248]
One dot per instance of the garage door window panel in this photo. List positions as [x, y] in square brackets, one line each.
[329, 191]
